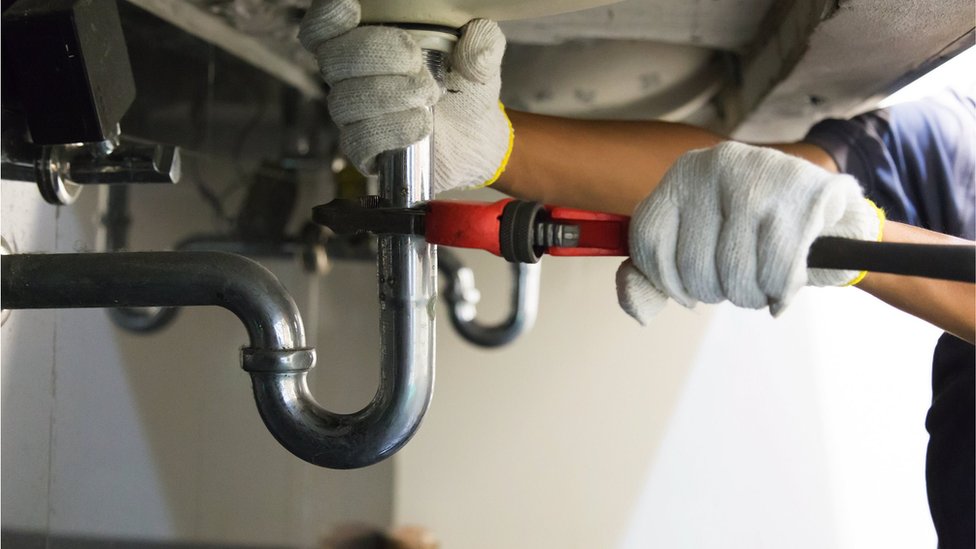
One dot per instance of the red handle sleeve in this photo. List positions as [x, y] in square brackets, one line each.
[464, 224]
[477, 225]
[600, 233]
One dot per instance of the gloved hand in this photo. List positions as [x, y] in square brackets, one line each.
[381, 91]
[735, 222]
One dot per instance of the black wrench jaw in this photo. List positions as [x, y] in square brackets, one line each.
[368, 215]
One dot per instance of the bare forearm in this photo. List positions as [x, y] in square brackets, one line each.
[948, 305]
[604, 165]
[597, 165]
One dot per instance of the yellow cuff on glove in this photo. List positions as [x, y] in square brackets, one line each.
[881, 222]
[508, 150]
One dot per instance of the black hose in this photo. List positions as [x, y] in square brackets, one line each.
[946, 262]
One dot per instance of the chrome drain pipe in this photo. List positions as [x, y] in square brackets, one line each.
[407, 277]
[158, 279]
[277, 357]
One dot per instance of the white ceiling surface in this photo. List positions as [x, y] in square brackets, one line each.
[455, 13]
[644, 80]
[860, 51]
[855, 55]
[637, 59]
[722, 24]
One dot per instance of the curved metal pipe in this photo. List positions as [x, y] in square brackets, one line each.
[462, 297]
[277, 357]
[155, 279]
[407, 276]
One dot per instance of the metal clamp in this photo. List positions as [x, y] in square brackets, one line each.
[61, 171]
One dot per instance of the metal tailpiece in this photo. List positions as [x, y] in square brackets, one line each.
[407, 276]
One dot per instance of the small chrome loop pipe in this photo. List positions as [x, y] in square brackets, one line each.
[462, 297]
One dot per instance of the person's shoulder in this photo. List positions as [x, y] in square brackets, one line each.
[951, 110]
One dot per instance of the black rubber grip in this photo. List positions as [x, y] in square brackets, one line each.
[516, 235]
[946, 262]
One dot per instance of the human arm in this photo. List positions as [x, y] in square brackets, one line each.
[612, 165]
[949, 305]
[916, 161]
[600, 165]
[605, 165]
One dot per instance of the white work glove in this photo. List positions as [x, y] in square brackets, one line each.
[381, 93]
[735, 222]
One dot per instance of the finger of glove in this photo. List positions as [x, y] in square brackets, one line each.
[636, 295]
[478, 54]
[789, 204]
[817, 204]
[362, 141]
[654, 232]
[368, 51]
[696, 248]
[781, 259]
[326, 19]
[736, 258]
[378, 96]
[753, 184]
[855, 216]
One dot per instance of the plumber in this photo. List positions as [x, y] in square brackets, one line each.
[713, 220]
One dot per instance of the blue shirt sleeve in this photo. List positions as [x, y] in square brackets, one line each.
[915, 160]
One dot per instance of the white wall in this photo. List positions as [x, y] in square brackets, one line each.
[711, 428]
[108, 434]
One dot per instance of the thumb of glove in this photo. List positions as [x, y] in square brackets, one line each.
[479, 52]
[326, 19]
[636, 295]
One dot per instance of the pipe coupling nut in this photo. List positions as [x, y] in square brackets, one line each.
[282, 361]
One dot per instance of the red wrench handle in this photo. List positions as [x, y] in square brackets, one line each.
[464, 224]
[600, 233]
[478, 225]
